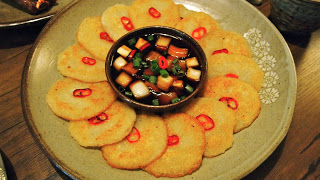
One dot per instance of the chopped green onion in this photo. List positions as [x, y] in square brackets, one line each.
[182, 97]
[138, 58]
[144, 76]
[164, 73]
[180, 73]
[155, 68]
[153, 79]
[177, 66]
[175, 61]
[150, 38]
[174, 70]
[155, 102]
[136, 63]
[189, 88]
[121, 89]
[138, 55]
[175, 100]
[128, 93]
[132, 41]
[154, 62]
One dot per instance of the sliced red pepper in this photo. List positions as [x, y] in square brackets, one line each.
[163, 63]
[127, 24]
[206, 122]
[220, 51]
[131, 54]
[82, 92]
[89, 61]
[144, 47]
[154, 13]
[232, 76]
[232, 103]
[199, 32]
[101, 118]
[173, 140]
[105, 36]
[134, 136]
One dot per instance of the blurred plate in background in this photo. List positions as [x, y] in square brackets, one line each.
[11, 15]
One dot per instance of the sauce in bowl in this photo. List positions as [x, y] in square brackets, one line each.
[156, 68]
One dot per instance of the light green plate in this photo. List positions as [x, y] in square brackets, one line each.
[251, 146]
[12, 15]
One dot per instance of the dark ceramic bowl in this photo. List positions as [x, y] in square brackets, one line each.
[189, 42]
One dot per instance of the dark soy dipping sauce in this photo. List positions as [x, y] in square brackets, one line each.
[178, 42]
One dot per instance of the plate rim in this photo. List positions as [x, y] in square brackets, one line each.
[26, 104]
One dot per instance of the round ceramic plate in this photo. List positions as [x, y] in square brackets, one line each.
[11, 15]
[251, 146]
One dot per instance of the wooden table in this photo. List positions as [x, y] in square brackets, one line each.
[297, 157]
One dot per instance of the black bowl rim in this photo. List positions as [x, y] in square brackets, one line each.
[156, 29]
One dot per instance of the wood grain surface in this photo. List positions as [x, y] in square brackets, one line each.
[297, 157]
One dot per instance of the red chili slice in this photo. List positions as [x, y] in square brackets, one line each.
[220, 51]
[232, 103]
[154, 13]
[82, 92]
[105, 36]
[163, 63]
[199, 32]
[134, 136]
[89, 61]
[173, 140]
[127, 24]
[206, 122]
[144, 47]
[101, 118]
[132, 53]
[232, 76]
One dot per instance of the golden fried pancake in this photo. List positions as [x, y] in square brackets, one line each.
[75, 100]
[218, 121]
[198, 25]
[146, 142]
[111, 21]
[183, 11]
[186, 143]
[154, 12]
[238, 95]
[238, 66]
[88, 36]
[111, 126]
[75, 62]
[233, 42]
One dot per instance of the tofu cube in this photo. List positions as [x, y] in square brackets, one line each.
[139, 89]
[178, 84]
[192, 62]
[162, 43]
[124, 51]
[141, 42]
[128, 68]
[119, 63]
[193, 74]
[164, 83]
[123, 79]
